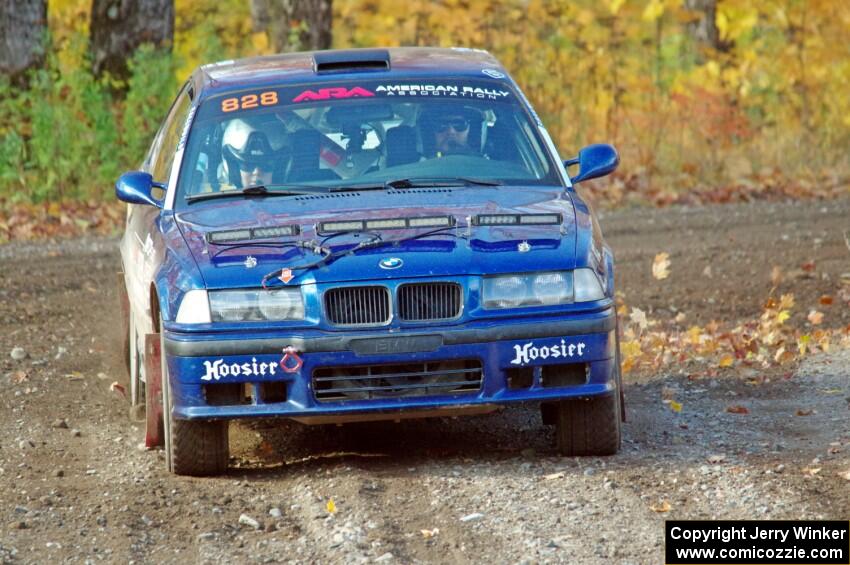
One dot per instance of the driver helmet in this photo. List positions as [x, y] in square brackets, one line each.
[249, 144]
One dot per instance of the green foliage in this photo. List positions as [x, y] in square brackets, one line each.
[61, 139]
[151, 89]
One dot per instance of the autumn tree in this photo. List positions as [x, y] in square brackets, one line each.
[119, 27]
[294, 25]
[702, 26]
[22, 29]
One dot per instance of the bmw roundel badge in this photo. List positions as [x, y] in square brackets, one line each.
[390, 263]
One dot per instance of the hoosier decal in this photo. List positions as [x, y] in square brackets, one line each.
[530, 352]
[218, 369]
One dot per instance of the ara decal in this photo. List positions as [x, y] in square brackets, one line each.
[335, 92]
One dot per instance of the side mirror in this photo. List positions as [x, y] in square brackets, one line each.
[594, 161]
[137, 187]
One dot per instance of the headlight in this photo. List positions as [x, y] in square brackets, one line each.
[519, 291]
[588, 286]
[256, 305]
[281, 304]
[553, 288]
[194, 308]
[504, 292]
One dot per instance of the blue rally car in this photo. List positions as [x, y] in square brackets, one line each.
[359, 235]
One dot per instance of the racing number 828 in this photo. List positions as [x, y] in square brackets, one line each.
[249, 101]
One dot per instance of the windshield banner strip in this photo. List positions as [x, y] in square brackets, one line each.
[267, 98]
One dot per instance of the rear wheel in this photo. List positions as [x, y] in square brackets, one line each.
[192, 447]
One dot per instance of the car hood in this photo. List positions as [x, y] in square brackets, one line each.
[479, 250]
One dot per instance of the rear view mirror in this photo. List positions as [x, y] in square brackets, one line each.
[594, 161]
[137, 187]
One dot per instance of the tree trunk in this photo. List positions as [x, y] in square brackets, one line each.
[119, 27]
[703, 26]
[294, 25]
[22, 27]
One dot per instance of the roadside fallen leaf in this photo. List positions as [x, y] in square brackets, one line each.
[726, 361]
[815, 317]
[680, 317]
[803, 344]
[808, 266]
[737, 409]
[675, 406]
[552, 476]
[331, 506]
[811, 471]
[845, 475]
[776, 275]
[74, 376]
[19, 377]
[826, 300]
[663, 506]
[833, 450]
[118, 389]
[801, 412]
[638, 317]
[694, 333]
[430, 533]
[661, 266]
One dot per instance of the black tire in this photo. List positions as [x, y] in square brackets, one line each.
[589, 426]
[192, 447]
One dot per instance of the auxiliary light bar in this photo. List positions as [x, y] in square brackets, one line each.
[388, 224]
[516, 219]
[247, 234]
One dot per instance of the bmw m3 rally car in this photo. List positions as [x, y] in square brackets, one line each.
[356, 235]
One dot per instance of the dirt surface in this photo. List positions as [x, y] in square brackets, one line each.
[76, 485]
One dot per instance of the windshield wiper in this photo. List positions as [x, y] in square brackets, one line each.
[428, 182]
[417, 182]
[260, 190]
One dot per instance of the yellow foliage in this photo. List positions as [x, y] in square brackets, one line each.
[771, 93]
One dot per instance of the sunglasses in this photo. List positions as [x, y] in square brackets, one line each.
[460, 125]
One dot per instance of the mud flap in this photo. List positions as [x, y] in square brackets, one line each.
[154, 436]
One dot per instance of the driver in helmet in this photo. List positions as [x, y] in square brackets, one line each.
[253, 152]
[448, 129]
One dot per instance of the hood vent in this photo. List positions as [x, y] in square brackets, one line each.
[419, 191]
[326, 196]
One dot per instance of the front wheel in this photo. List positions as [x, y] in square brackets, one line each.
[588, 426]
[192, 447]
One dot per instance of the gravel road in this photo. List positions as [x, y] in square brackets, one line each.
[76, 485]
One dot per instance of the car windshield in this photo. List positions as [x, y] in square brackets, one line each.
[361, 134]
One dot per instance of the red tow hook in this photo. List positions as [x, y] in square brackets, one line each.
[291, 362]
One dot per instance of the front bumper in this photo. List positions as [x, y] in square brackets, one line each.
[504, 350]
